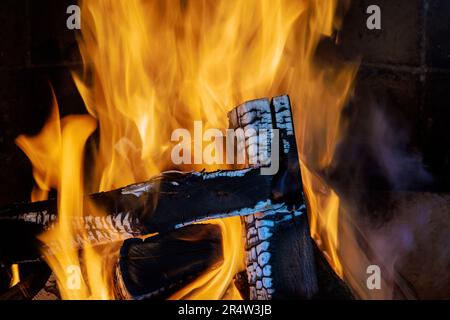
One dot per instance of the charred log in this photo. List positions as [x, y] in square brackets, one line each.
[331, 287]
[30, 284]
[157, 267]
[166, 202]
[280, 257]
[18, 241]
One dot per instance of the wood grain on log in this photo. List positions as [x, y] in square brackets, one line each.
[280, 259]
[166, 202]
[280, 256]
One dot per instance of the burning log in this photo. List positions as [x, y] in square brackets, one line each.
[28, 287]
[329, 284]
[159, 266]
[280, 257]
[166, 202]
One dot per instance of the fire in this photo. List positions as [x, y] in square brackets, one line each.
[15, 279]
[57, 156]
[154, 66]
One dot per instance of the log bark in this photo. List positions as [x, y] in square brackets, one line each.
[280, 256]
[157, 267]
[30, 284]
[164, 203]
[331, 287]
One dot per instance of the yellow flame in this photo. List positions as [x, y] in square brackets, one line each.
[57, 157]
[44, 153]
[15, 279]
[154, 66]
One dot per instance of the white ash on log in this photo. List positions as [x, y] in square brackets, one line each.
[166, 202]
[280, 257]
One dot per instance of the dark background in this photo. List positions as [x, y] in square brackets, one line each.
[405, 71]
[36, 50]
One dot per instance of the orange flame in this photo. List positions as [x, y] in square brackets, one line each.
[57, 156]
[152, 67]
[15, 278]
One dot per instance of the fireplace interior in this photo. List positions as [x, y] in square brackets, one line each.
[390, 171]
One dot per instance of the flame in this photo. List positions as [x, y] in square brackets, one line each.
[44, 153]
[154, 66]
[57, 157]
[15, 278]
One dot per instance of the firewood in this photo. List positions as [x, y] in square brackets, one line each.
[280, 257]
[331, 287]
[31, 283]
[166, 202]
[157, 267]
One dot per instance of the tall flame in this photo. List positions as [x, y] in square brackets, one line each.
[154, 66]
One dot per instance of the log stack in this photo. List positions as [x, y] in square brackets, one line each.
[281, 259]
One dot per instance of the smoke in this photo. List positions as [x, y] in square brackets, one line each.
[387, 217]
[375, 154]
[402, 169]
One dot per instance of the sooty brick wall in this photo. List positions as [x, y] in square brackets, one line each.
[405, 74]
